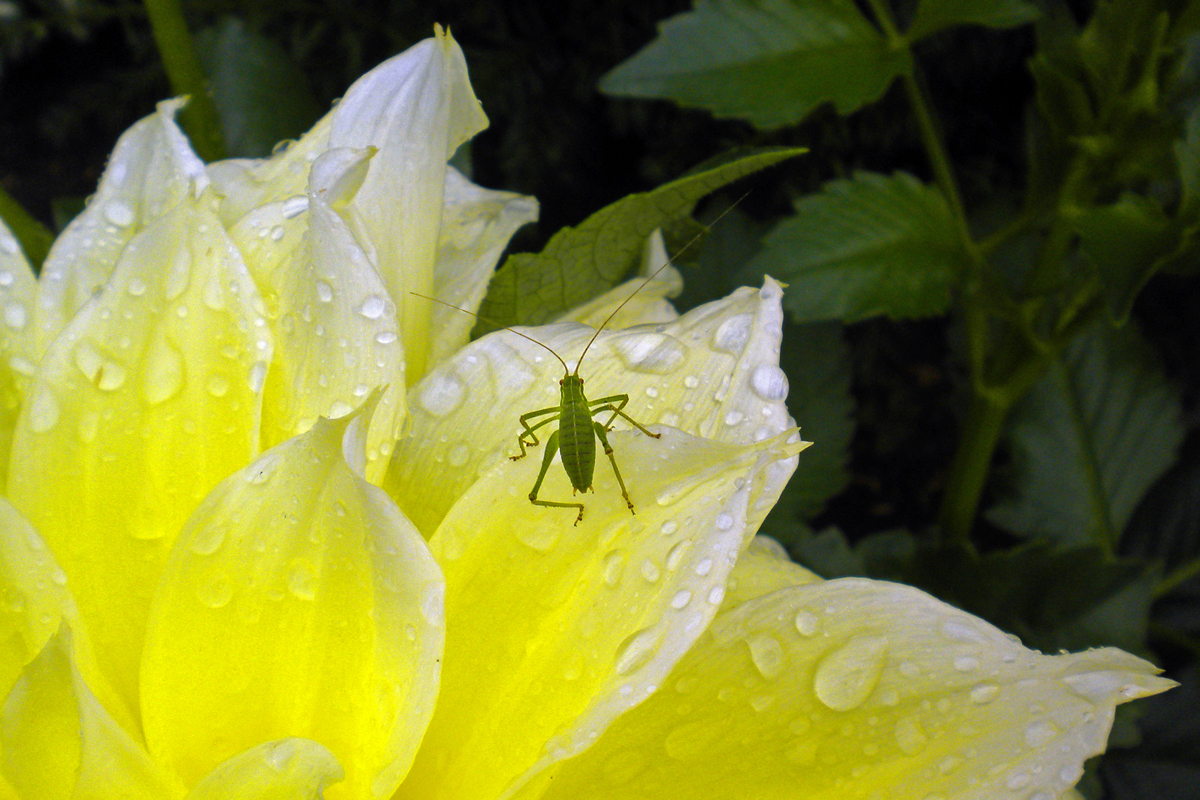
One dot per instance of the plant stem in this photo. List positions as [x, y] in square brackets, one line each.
[1179, 575]
[199, 117]
[971, 465]
[35, 239]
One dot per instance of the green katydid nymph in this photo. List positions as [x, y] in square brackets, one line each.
[575, 438]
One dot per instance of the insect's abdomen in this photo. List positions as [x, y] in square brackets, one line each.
[576, 437]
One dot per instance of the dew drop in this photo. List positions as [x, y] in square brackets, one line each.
[637, 649]
[724, 521]
[704, 566]
[385, 337]
[118, 213]
[984, 693]
[691, 740]
[734, 418]
[846, 677]
[208, 540]
[655, 353]
[650, 571]
[716, 595]
[1039, 734]
[162, 372]
[277, 233]
[136, 287]
[258, 376]
[458, 455]
[302, 579]
[966, 664]
[1017, 780]
[676, 554]
[324, 291]
[769, 382]
[216, 590]
[669, 527]
[15, 315]
[373, 307]
[691, 381]
[294, 206]
[217, 385]
[612, 567]
[43, 410]
[767, 654]
[806, 622]
[681, 599]
[441, 394]
[910, 736]
[733, 334]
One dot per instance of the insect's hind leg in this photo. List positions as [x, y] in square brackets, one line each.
[551, 449]
[620, 400]
[602, 432]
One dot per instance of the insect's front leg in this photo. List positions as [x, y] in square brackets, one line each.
[529, 429]
[614, 404]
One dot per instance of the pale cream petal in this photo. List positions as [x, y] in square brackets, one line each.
[713, 373]
[852, 689]
[554, 630]
[416, 109]
[18, 345]
[288, 769]
[148, 399]
[149, 172]
[336, 329]
[60, 744]
[476, 225]
[298, 601]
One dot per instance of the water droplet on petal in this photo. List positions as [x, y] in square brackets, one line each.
[162, 372]
[806, 622]
[910, 736]
[43, 410]
[984, 693]
[15, 315]
[118, 213]
[681, 599]
[733, 334]
[208, 540]
[324, 291]
[216, 590]
[612, 566]
[966, 664]
[769, 382]
[302, 579]
[655, 353]
[637, 649]
[767, 654]
[373, 307]
[1040, 733]
[846, 677]
[440, 394]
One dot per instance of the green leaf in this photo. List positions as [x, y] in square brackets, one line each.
[579, 263]
[1127, 241]
[817, 362]
[935, 15]
[768, 61]
[261, 95]
[864, 247]
[1089, 439]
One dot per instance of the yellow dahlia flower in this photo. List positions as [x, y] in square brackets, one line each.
[260, 538]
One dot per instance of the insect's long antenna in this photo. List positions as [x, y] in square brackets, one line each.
[666, 264]
[497, 324]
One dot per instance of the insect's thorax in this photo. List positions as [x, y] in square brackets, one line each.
[576, 436]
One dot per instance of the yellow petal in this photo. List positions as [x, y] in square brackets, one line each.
[150, 171]
[714, 373]
[298, 601]
[36, 602]
[168, 360]
[18, 347]
[289, 769]
[763, 567]
[59, 743]
[554, 630]
[476, 226]
[860, 689]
